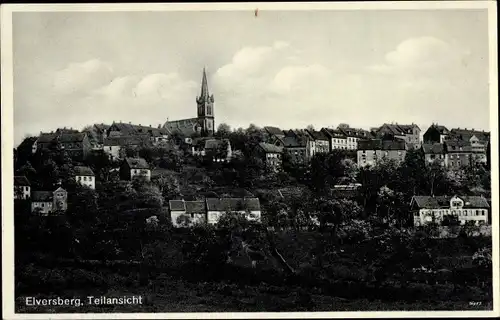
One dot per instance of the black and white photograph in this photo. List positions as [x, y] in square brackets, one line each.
[223, 160]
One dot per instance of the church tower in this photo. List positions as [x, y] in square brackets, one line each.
[205, 108]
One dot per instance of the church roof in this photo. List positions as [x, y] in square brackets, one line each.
[186, 127]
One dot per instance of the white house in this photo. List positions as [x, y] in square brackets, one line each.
[47, 202]
[217, 207]
[84, 176]
[133, 168]
[187, 213]
[22, 188]
[427, 209]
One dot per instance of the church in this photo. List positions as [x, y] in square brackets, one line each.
[203, 124]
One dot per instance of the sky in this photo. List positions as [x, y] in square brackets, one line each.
[282, 68]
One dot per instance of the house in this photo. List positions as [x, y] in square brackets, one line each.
[434, 152]
[371, 151]
[321, 141]
[218, 150]
[27, 146]
[47, 202]
[436, 134]
[22, 188]
[135, 168]
[187, 213]
[84, 176]
[427, 209]
[76, 144]
[217, 207]
[353, 135]
[114, 146]
[458, 154]
[298, 147]
[154, 135]
[271, 154]
[408, 132]
[478, 139]
[337, 139]
[274, 135]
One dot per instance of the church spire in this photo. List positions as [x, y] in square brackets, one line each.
[204, 85]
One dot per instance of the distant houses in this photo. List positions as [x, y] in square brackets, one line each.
[271, 154]
[439, 209]
[188, 213]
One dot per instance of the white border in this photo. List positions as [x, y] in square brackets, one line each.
[7, 146]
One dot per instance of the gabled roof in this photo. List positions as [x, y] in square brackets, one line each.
[28, 142]
[21, 181]
[274, 131]
[214, 143]
[270, 148]
[195, 206]
[42, 196]
[378, 144]
[466, 135]
[429, 202]
[233, 204]
[137, 163]
[101, 126]
[126, 140]
[184, 126]
[46, 137]
[83, 171]
[177, 205]
[334, 133]
[318, 135]
[354, 132]
[59, 190]
[433, 148]
[72, 137]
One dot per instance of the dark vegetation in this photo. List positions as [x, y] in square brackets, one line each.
[354, 253]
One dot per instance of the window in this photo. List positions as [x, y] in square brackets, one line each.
[451, 163]
[43, 204]
[484, 212]
[84, 178]
[458, 163]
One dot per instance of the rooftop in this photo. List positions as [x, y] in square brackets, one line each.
[137, 163]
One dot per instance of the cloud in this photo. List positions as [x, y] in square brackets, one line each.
[82, 76]
[422, 56]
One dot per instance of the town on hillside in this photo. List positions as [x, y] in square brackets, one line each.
[50, 164]
[199, 215]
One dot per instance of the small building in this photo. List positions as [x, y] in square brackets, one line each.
[84, 176]
[427, 209]
[298, 146]
[187, 213]
[47, 202]
[22, 188]
[458, 154]
[434, 152]
[271, 154]
[217, 207]
[135, 168]
[371, 151]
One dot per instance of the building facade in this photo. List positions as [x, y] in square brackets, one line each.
[428, 209]
[84, 176]
[336, 138]
[375, 150]
[436, 134]
[272, 155]
[135, 168]
[22, 188]
[408, 132]
[47, 202]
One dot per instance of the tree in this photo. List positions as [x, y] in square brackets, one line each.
[168, 186]
[223, 131]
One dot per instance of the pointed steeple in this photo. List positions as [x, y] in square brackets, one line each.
[204, 85]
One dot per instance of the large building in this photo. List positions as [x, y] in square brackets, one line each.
[372, 151]
[204, 123]
[427, 209]
[408, 132]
